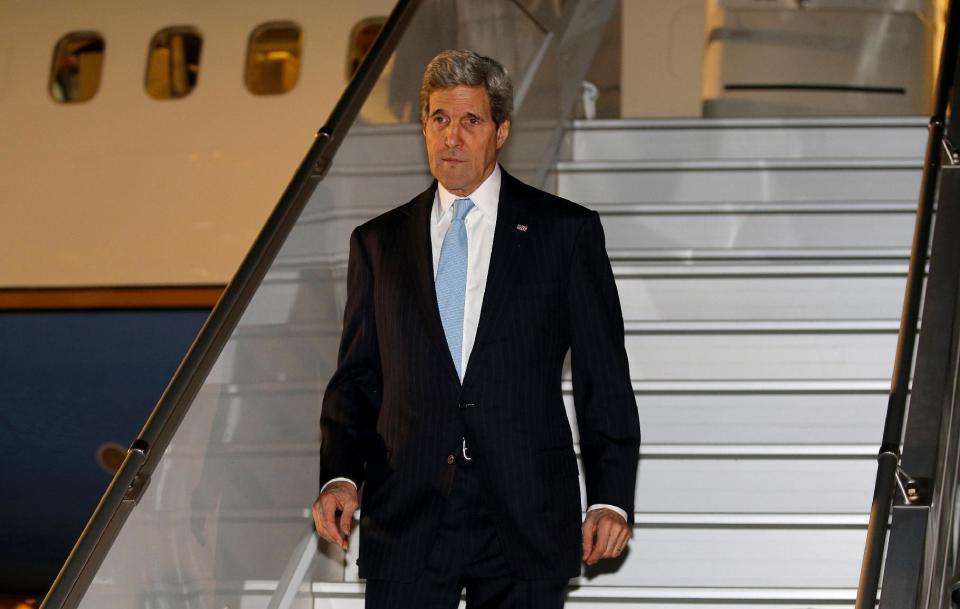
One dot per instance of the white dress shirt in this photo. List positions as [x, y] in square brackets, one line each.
[480, 223]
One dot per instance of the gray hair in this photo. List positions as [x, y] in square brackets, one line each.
[465, 68]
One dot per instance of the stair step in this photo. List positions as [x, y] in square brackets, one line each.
[739, 181]
[731, 165]
[256, 515]
[785, 415]
[774, 356]
[284, 389]
[750, 326]
[801, 386]
[651, 290]
[701, 254]
[833, 234]
[358, 214]
[583, 592]
[840, 268]
[288, 449]
[704, 479]
[671, 413]
[631, 327]
[645, 208]
[349, 595]
[331, 255]
[748, 138]
[764, 557]
[848, 521]
[683, 354]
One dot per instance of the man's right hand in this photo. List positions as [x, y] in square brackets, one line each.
[342, 497]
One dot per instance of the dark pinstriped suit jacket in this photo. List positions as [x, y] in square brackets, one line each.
[394, 411]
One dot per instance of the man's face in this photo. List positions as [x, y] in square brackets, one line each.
[462, 139]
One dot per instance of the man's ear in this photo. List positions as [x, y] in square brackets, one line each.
[503, 132]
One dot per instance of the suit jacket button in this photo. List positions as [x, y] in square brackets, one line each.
[450, 459]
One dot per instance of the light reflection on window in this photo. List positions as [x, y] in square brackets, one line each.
[273, 58]
[173, 62]
[77, 64]
[361, 39]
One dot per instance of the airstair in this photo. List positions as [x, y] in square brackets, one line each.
[761, 266]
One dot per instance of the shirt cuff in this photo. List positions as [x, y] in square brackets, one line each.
[332, 480]
[597, 506]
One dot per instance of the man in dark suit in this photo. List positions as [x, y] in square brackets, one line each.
[447, 406]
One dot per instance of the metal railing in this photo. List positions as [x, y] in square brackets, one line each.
[915, 449]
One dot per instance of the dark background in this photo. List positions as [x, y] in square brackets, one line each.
[70, 381]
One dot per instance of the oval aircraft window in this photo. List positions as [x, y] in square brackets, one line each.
[173, 62]
[273, 58]
[77, 64]
[361, 39]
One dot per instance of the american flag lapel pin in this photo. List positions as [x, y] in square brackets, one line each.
[522, 228]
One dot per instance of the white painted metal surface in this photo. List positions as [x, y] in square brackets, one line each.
[819, 57]
[752, 138]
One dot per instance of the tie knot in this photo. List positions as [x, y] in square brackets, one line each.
[461, 207]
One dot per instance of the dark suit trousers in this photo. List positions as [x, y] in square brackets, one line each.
[466, 553]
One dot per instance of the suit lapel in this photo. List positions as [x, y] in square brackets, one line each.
[508, 239]
[419, 272]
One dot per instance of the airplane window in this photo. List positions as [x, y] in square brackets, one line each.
[77, 64]
[273, 58]
[361, 39]
[173, 62]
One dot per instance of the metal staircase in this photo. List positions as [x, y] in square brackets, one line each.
[761, 267]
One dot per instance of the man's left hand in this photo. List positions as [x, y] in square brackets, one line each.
[605, 535]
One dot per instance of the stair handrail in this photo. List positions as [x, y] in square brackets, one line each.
[889, 474]
[133, 476]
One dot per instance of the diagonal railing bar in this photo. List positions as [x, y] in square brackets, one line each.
[889, 458]
[145, 452]
[544, 29]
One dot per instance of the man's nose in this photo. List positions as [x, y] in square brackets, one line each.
[451, 135]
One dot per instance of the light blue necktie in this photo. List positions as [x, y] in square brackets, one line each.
[452, 280]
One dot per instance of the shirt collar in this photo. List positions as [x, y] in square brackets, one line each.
[486, 198]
